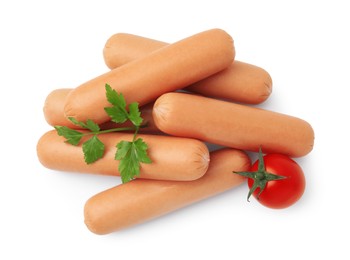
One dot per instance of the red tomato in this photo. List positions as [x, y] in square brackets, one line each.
[275, 180]
[280, 193]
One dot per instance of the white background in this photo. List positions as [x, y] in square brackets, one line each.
[45, 45]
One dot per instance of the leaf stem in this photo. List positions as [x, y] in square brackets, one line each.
[118, 129]
[135, 134]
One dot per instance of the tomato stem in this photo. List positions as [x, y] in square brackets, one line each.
[261, 177]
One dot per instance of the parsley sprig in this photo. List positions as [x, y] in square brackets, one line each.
[130, 153]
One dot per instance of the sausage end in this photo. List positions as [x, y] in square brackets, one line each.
[91, 217]
[41, 149]
[166, 115]
[202, 158]
[53, 107]
[111, 47]
[266, 89]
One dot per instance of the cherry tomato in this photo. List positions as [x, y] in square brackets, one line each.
[276, 181]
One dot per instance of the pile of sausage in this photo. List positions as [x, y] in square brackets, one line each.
[192, 93]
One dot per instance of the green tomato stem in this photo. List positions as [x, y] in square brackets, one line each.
[261, 177]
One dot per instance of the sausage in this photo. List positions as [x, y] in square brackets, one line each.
[240, 82]
[141, 200]
[122, 48]
[54, 114]
[53, 108]
[233, 125]
[143, 80]
[173, 158]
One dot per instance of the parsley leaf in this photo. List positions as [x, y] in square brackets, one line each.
[117, 112]
[135, 114]
[116, 115]
[72, 136]
[131, 154]
[93, 149]
[91, 125]
[76, 122]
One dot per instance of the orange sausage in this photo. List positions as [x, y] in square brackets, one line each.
[54, 114]
[232, 125]
[173, 158]
[141, 200]
[121, 48]
[53, 108]
[143, 80]
[240, 82]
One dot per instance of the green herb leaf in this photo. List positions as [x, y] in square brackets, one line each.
[76, 122]
[135, 114]
[93, 149]
[131, 154]
[72, 136]
[91, 125]
[123, 148]
[114, 98]
[141, 148]
[118, 112]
